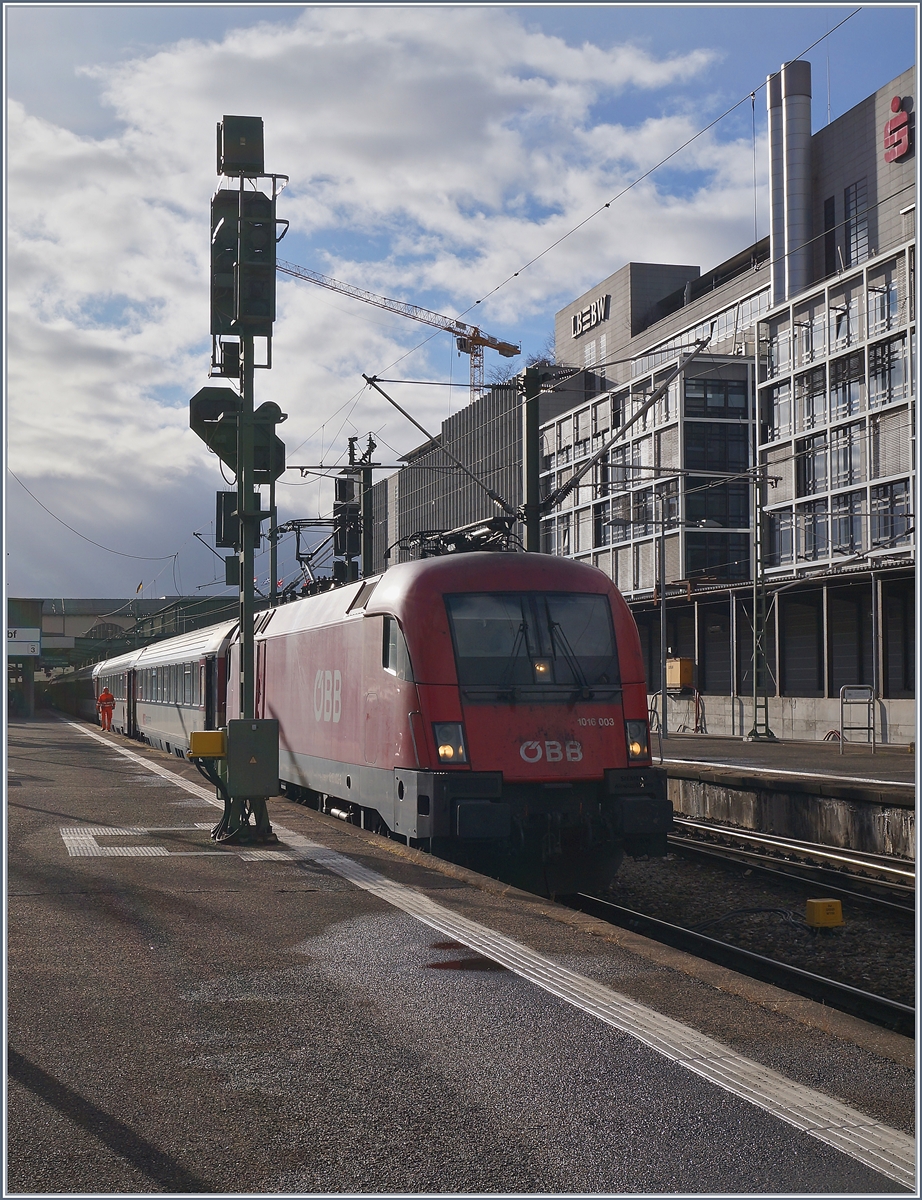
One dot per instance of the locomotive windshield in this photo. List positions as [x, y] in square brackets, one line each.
[534, 645]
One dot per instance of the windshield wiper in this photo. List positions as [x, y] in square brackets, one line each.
[513, 654]
[571, 659]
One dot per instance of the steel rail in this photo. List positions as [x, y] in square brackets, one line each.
[803, 873]
[871, 862]
[879, 1010]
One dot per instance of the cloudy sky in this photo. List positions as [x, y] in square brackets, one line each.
[433, 151]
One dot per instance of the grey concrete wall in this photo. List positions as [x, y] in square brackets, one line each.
[876, 828]
[798, 718]
[697, 311]
[852, 148]
[633, 289]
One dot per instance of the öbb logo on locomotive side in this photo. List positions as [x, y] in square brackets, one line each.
[533, 752]
[328, 696]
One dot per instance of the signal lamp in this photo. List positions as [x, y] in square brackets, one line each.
[449, 737]
[638, 739]
[240, 146]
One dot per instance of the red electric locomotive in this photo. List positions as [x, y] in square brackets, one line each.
[491, 705]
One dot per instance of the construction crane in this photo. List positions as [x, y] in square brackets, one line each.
[468, 338]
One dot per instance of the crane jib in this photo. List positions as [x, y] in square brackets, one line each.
[470, 333]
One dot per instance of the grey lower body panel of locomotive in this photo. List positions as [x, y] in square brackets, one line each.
[414, 803]
[477, 804]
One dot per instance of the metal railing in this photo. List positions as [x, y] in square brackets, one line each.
[849, 696]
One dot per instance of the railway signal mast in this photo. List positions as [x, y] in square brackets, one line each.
[243, 240]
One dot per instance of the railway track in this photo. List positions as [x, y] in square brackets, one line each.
[869, 878]
[879, 1010]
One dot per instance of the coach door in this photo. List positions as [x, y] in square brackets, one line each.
[131, 703]
[259, 708]
[211, 692]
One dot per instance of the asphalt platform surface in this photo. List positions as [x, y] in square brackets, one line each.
[786, 761]
[187, 1018]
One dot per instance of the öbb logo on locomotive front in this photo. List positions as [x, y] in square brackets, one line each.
[532, 752]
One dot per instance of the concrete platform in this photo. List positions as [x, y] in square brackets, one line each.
[889, 772]
[856, 800]
[342, 1014]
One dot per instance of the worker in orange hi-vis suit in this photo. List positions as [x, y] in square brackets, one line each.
[104, 706]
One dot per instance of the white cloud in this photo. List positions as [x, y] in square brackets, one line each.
[454, 142]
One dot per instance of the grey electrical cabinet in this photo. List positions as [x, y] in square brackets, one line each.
[253, 758]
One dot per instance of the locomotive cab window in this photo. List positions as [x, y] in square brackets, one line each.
[534, 645]
[395, 657]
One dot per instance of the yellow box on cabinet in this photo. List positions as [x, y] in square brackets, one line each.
[824, 912]
[680, 672]
[208, 743]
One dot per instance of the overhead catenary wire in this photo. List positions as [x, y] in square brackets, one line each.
[497, 499]
[750, 95]
[648, 172]
[99, 545]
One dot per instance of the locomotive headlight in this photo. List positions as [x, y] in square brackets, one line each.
[542, 668]
[638, 739]
[449, 737]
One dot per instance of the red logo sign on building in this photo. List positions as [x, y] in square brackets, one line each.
[896, 132]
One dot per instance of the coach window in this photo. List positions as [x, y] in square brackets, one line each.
[395, 657]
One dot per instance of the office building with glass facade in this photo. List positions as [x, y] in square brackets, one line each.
[751, 439]
[778, 467]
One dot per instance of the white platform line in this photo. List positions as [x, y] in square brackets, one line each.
[748, 767]
[888, 1151]
[186, 784]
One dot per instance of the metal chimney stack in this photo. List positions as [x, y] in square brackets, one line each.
[789, 127]
[776, 188]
